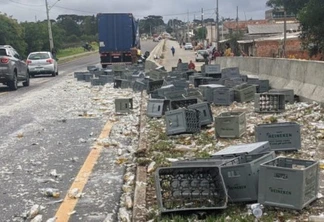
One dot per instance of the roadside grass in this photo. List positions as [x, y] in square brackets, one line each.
[74, 51]
[162, 149]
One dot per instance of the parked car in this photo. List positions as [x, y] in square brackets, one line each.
[200, 55]
[42, 63]
[188, 46]
[12, 68]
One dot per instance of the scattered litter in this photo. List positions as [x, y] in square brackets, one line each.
[50, 192]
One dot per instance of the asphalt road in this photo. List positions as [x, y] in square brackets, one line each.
[40, 131]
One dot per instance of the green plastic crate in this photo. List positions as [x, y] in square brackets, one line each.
[230, 124]
[288, 183]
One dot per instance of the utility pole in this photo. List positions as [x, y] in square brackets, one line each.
[188, 27]
[50, 34]
[202, 17]
[285, 35]
[217, 26]
[237, 20]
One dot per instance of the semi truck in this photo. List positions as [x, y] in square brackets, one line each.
[118, 38]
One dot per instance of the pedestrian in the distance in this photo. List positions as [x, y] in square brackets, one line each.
[172, 50]
[191, 65]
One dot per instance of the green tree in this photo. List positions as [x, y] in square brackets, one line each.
[70, 25]
[291, 6]
[150, 24]
[312, 24]
[39, 41]
[200, 33]
[11, 33]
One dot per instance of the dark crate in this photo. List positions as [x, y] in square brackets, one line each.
[281, 136]
[183, 103]
[182, 121]
[190, 188]
[210, 69]
[205, 113]
[263, 84]
[123, 105]
[244, 93]
[175, 95]
[157, 107]
[154, 85]
[223, 96]
[289, 94]
[269, 103]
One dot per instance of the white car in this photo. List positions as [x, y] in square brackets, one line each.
[200, 55]
[42, 63]
[188, 46]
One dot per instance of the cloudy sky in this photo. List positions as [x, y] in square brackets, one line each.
[31, 10]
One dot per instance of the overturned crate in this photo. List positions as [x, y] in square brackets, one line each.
[244, 93]
[123, 105]
[154, 85]
[281, 136]
[96, 82]
[223, 96]
[182, 121]
[79, 75]
[183, 103]
[230, 124]
[193, 93]
[139, 86]
[269, 103]
[243, 149]
[157, 107]
[241, 176]
[289, 94]
[175, 95]
[106, 79]
[164, 89]
[190, 188]
[288, 183]
[205, 113]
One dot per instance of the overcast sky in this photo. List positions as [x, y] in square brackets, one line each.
[31, 10]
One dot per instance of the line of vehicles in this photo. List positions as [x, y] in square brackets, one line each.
[119, 42]
[14, 69]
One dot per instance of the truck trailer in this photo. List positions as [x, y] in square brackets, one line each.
[118, 38]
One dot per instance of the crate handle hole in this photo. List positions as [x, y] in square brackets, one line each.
[281, 176]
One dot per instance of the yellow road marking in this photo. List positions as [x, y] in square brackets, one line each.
[81, 179]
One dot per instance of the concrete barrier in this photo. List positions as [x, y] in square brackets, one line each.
[306, 78]
[150, 62]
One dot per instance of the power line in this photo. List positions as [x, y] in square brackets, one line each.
[19, 3]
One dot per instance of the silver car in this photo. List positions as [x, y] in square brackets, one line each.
[12, 68]
[200, 55]
[42, 63]
[188, 46]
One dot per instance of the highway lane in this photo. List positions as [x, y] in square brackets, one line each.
[43, 128]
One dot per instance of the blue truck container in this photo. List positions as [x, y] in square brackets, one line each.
[118, 34]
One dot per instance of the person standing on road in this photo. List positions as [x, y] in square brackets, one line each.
[172, 50]
[179, 61]
[228, 50]
[191, 65]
